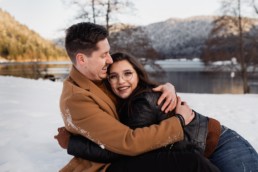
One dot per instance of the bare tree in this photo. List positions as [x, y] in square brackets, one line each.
[113, 7]
[255, 5]
[232, 37]
[86, 9]
[101, 11]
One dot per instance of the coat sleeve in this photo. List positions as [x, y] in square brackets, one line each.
[82, 115]
[82, 147]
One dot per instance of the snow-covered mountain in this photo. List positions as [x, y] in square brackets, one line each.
[173, 38]
[180, 37]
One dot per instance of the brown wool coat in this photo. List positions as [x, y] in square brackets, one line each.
[87, 110]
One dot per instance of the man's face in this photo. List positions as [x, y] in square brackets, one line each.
[95, 66]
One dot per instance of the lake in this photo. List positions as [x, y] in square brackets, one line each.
[189, 79]
[206, 82]
[56, 70]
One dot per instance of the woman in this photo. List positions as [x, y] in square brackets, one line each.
[129, 82]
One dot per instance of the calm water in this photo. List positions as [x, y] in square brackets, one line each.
[57, 70]
[206, 82]
[188, 82]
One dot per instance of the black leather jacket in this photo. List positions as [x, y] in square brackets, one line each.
[141, 110]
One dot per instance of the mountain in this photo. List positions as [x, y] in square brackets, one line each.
[180, 37]
[173, 38]
[19, 43]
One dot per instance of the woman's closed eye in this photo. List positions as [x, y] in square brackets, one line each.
[113, 77]
[128, 74]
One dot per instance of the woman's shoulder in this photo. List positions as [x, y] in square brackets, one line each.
[148, 94]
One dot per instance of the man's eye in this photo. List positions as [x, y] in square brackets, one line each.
[104, 55]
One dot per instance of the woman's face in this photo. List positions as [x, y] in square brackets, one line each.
[123, 78]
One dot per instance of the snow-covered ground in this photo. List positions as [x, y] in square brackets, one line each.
[30, 116]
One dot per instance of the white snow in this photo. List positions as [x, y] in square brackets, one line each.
[30, 117]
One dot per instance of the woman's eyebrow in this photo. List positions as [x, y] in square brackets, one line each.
[113, 73]
[127, 70]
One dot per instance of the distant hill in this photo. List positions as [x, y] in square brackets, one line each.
[179, 38]
[19, 43]
[173, 38]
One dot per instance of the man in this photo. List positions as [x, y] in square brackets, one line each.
[88, 110]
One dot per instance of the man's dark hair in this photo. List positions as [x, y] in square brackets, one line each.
[83, 38]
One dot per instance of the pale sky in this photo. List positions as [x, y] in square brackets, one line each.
[49, 17]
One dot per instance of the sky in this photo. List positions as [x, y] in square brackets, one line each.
[50, 17]
[30, 117]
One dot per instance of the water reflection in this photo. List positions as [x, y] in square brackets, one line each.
[35, 70]
[184, 81]
[206, 82]
[202, 82]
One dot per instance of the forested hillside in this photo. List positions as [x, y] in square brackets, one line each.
[173, 38]
[19, 43]
[180, 38]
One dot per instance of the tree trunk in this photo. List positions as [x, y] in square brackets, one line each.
[241, 52]
[93, 11]
[244, 76]
[107, 15]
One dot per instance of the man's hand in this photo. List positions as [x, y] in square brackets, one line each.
[169, 95]
[63, 137]
[183, 109]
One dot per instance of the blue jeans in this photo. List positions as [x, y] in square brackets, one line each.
[234, 154]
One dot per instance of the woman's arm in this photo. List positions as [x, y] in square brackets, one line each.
[82, 147]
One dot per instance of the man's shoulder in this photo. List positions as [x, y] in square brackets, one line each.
[71, 91]
[68, 85]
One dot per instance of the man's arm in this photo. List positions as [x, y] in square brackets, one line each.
[147, 113]
[82, 147]
[169, 95]
[82, 115]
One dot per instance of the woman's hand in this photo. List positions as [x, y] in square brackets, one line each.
[183, 109]
[63, 137]
[169, 95]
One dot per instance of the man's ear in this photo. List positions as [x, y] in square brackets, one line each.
[81, 58]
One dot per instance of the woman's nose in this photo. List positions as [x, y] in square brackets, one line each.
[121, 79]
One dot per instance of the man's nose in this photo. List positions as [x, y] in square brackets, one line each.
[109, 59]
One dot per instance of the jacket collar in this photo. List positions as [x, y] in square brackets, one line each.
[88, 85]
[80, 79]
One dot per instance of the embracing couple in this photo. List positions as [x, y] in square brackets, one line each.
[117, 119]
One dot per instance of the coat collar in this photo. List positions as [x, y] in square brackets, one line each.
[80, 79]
[90, 86]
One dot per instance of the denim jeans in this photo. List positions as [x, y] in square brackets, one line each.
[234, 154]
